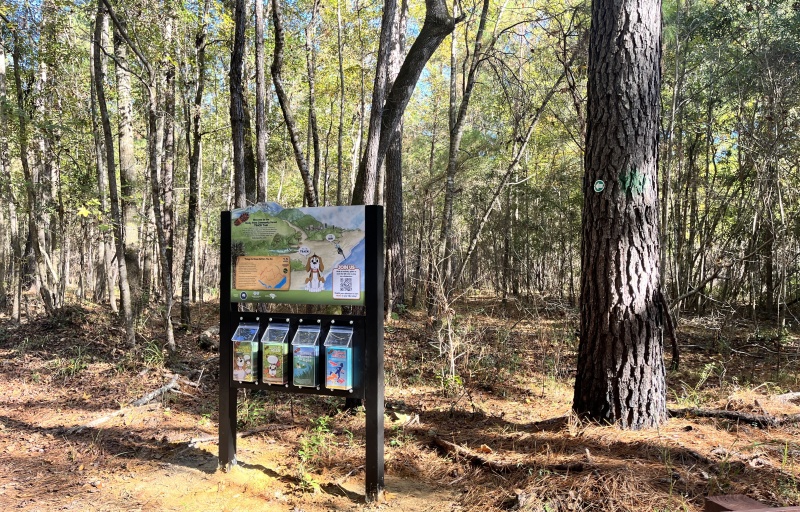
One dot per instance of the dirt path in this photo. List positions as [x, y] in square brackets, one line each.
[144, 459]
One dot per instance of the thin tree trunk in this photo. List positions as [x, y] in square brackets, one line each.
[7, 193]
[168, 160]
[127, 173]
[195, 163]
[283, 99]
[116, 215]
[262, 106]
[340, 133]
[243, 157]
[311, 64]
[164, 251]
[107, 273]
[153, 147]
[31, 174]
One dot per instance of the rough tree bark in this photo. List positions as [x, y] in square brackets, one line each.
[620, 371]
[243, 157]
[395, 241]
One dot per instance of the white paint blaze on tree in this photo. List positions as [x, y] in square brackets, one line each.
[620, 375]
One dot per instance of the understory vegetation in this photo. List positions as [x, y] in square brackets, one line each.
[496, 435]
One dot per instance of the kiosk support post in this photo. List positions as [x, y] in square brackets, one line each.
[227, 393]
[374, 353]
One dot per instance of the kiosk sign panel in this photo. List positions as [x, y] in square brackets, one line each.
[298, 255]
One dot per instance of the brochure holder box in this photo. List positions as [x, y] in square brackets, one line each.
[305, 356]
[339, 358]
[245, 352]
[275, 354]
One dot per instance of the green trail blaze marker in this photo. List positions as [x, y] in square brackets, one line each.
[599, 186]
[633, 182]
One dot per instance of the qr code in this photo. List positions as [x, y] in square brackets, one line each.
[346, 284]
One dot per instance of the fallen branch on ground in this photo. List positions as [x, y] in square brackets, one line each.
[171, 385]
[759, 420]
[788, 397]
[498, 466]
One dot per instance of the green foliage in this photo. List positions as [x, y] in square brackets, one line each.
[252, 411]
[314, 445]
[154, 355]
[70, 366]
[692, 394]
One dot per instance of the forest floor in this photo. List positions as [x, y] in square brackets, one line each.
[499, 436]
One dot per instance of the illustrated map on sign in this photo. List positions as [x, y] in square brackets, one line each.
[298, 255]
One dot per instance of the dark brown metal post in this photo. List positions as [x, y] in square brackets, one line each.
[374, 352]
[227, 394]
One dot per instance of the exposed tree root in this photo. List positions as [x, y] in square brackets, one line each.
[759, 420]
[498, 466]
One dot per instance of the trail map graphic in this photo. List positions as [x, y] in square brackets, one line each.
[298, 255]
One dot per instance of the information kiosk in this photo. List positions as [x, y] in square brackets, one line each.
[282, 256]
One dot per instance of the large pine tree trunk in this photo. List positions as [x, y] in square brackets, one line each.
[620, 377]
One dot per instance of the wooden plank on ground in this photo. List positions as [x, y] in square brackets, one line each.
[741, 503]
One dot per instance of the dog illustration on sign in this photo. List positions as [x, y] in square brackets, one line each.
[314, 266]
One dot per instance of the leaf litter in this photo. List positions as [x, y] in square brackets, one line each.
[501, 437]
